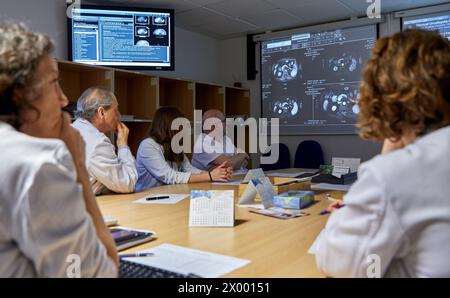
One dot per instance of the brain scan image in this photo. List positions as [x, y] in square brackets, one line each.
[143, 43]
[159, 20]
[287, 107]
[344, 64]
[341, 103]
[159, 32]
[285, 69]
[141, 19]
[142, 31]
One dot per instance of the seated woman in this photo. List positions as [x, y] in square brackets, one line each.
[50, 224]
[158, 164]
[396, 218]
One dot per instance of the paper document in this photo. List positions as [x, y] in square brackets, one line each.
[352, 163]
[328, 186]
[186, 260]
[286, 175]
[211, 208]
[254, 174]
[314, 247]
[264, 188]
[231, 183]
[240, 172]
[173, 199]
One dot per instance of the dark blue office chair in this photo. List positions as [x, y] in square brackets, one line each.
[308, 155]
[283, 162]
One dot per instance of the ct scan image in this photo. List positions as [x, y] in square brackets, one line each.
[339, 104]
[286, 69]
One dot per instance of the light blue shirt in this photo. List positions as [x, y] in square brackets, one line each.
[154, 170]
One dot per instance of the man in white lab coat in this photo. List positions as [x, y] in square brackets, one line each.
[98, 114]
[214, 147]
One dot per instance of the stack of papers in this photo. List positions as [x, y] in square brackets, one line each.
[328, 186]
[186, 260]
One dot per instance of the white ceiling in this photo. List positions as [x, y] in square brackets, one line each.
[223, 19]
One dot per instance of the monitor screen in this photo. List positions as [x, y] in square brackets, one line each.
[133, 38]
[310, 81]
[437, 22]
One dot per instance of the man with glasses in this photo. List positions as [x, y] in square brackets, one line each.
[97, 114]
[214, 147]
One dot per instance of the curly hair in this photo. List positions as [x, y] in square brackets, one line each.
[405, 86]
[21, 50]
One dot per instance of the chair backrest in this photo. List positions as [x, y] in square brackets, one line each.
[283, 162]
[308, 155]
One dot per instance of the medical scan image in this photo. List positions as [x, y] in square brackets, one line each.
[344, 64]
[160, 32]
[287, 107]
[286, 69]
[141, 20]
[159, 21]
[142, 43]
[341, 103]
[142, 31]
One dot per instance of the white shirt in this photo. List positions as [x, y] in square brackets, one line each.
[43, 218]
[154, 170]
[107, 170]
[399, 209]
[207, 149]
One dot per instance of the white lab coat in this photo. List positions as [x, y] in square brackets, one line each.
[207, 149]
[43, 218]
[107, 170]
[398, 210]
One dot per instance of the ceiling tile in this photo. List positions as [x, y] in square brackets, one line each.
[290, 3]
[312, 13]
[204, 2]
[273, 19]
[229, 27]
[237, 8]
[177, 5]
[389, 6]
[197, 16]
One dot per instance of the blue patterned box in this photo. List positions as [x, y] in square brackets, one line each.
[294, 199]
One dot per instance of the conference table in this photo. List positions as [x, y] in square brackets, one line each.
[275, 247]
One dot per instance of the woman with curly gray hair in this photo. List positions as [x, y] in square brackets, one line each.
[49, 213]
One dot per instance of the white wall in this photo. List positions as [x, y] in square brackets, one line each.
[46, 16]
[196, 55]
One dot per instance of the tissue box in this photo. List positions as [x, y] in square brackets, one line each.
[294, 199]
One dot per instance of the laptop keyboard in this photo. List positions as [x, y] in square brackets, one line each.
[134, 270]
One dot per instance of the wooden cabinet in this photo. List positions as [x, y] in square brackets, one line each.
[139, 95]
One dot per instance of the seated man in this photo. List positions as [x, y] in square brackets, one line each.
[97, 113]
[214, 147]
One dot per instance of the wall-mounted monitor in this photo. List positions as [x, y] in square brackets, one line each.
[310, 80]
[436, 22]
[124, 37]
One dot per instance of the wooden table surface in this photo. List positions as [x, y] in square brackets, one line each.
[276, 247]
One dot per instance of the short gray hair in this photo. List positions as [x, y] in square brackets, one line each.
[92, 99]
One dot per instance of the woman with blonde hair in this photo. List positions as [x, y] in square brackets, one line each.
[395, 220]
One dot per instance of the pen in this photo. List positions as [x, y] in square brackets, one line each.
[136, 255]
[327, 212]
[157, 198]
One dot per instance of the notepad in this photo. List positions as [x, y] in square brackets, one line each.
[190, 261]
